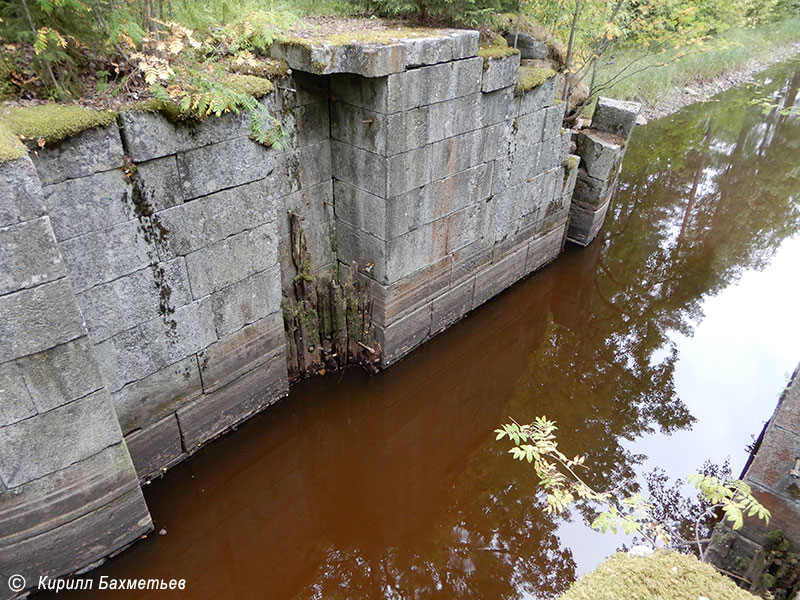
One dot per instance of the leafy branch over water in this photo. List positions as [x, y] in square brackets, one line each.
[558, 476]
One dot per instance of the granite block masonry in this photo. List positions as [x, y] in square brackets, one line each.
[162, 282]
[773, 472]
[601, 148]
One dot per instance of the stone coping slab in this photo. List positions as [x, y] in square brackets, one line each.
[376, 53]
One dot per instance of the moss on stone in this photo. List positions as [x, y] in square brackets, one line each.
[10, 145]
[663, 574]
[251, 85]
[495, 51]
[46, 124]
[572, 161]
[393, 35]
[531, 77]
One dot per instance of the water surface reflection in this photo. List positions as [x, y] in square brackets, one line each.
[392, 486]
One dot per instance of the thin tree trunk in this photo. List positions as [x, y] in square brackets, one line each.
[570, 48]
[519, 18]
[35, 32]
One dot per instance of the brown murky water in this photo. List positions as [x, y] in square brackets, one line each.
[393, 487]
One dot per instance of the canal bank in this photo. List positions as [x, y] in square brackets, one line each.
[635, 345]
[167, 279]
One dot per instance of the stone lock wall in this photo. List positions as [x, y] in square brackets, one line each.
[773, 472]
[158, 277]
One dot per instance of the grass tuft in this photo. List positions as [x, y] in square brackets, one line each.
[661, 575]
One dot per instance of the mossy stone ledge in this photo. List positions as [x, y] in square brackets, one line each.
[45, 125]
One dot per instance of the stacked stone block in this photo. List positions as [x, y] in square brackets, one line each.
[601, 148]
[448, 188]
[66, 476]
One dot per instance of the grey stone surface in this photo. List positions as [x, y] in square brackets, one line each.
[313, 204]
[156, 448]
[247, 301]
[424, 125]
[469, 260]
[232, 259]
[313, 165]
[440, 198]
[113, 307]
[368, 59]
[615, 116]
[216, 412]
[15, 400]
[82, 541]
[307, 124]
[106, 254]
[544, 248]
[450, 306]
[418, 167]
[359, 168]
[538, 98]
[150, 135]
[34, 447]
[141, 403]
[359, 127]
[585, 223]
[149, 347]
[304, 88]
[43, 504]
[405, 334]
[465, 43]
[429, 85]
[241, 352]
[363, 248]
[21, 196]
[213, 218]
[90, 151]
[529, 47]
[500, 275]
[600, 153]
[500, 140]
[427, 51]
[500, 72]
[591, 192]
[158, 183]
[78, 206]
[515, 169]
[224, 165]
[29, 255]
[498, 106]
[413, 251]
[61, 374]
[553, 121]
[36, 319]
[362, 210]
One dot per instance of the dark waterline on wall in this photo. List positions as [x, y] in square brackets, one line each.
[393, 487]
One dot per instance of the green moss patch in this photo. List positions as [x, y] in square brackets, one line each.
[497, 50]
[251, 85]
[531, 77]
[46, 124]
[10, 145]
[666, 575]
[392, 35]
